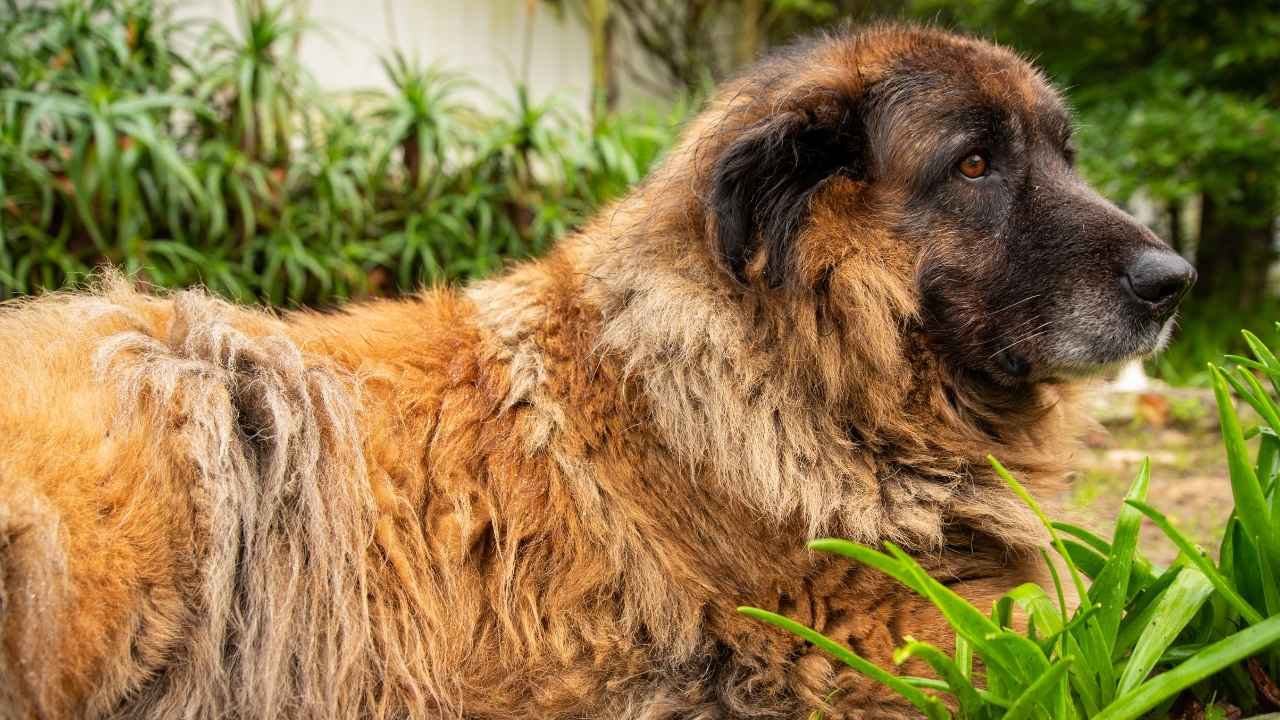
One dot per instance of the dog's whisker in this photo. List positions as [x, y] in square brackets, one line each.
[1039, 330]
[1015, 304]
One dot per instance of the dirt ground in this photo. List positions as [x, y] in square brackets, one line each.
[1178, 430]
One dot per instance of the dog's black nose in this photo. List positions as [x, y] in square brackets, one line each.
[1160, 278]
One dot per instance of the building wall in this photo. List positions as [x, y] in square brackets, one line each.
[488, 40]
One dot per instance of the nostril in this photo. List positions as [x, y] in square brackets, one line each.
[1160, 277]
[1156, 290]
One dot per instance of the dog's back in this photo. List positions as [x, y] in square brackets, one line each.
[176, 477]
[207, 507]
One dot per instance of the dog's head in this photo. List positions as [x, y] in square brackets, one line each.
[961, 152]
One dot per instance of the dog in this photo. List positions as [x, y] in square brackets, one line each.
[868, 263]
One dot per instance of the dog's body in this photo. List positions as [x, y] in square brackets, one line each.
[544, 496]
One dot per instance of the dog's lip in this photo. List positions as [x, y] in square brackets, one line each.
[1077, 369]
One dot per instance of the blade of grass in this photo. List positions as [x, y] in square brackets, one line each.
[1246, 386]
[1018, 655]
[967, 620]
[1138, 614]
[1079, 619]
[1093, 540]
[927, 704]
[867, 556]
[1035, 602]
[941, 686]
[1025, 496]
[1090, 563]
[1265, 356]
[964, 657]
[1268, 455]
[1092, 647]
[1057, 582]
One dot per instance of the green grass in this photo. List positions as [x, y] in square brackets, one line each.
[1143, 636]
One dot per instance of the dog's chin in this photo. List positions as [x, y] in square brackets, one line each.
[1070, 358]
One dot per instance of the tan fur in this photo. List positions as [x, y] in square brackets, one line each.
[539, 497]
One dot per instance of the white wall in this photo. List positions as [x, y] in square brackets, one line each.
[485, 39]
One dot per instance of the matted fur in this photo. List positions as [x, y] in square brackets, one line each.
[539, 497]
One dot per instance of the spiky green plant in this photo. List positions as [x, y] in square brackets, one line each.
[88, 132]
[253, 72]
[424, 119]
[1142, 635]
[218, 162]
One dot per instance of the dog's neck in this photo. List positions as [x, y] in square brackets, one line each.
[834, 423]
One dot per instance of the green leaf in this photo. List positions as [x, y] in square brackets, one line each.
[1018, 659]
[1268, 469]
[1251, 391]
[1076, 621]
[1091, 539]
[1025, 496]
[1141, 608]
[971, 705]
[1202, 563]
[1004, 651]
[1110, 588]
[1095, 675]
[1251, 504]
[1212, 659]
[868, 556]
[1038, 606]
[1090, 563]
[1176, 608]
[1265, 356]
[929, 705]
[964, 656]
[1041, 693]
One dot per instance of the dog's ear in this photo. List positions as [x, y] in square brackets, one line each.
[762, 182]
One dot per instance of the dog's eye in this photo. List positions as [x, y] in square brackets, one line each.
[973, 166]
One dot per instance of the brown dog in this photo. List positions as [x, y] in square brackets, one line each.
[868, 264]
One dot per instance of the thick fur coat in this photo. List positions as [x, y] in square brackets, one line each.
[543, 495]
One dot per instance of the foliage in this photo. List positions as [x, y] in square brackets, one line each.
[694, 43]
[1142, 635]
[217, 161]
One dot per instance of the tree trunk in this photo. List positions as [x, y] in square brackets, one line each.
[603, 93]
[1176, 240]
[749, 34]
[1236, 250]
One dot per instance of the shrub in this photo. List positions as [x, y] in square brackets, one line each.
[1142, 636]
[224, 165]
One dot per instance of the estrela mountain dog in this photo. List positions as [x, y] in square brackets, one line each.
[869, 263]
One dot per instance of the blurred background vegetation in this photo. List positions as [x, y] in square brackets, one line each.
[206, 153]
